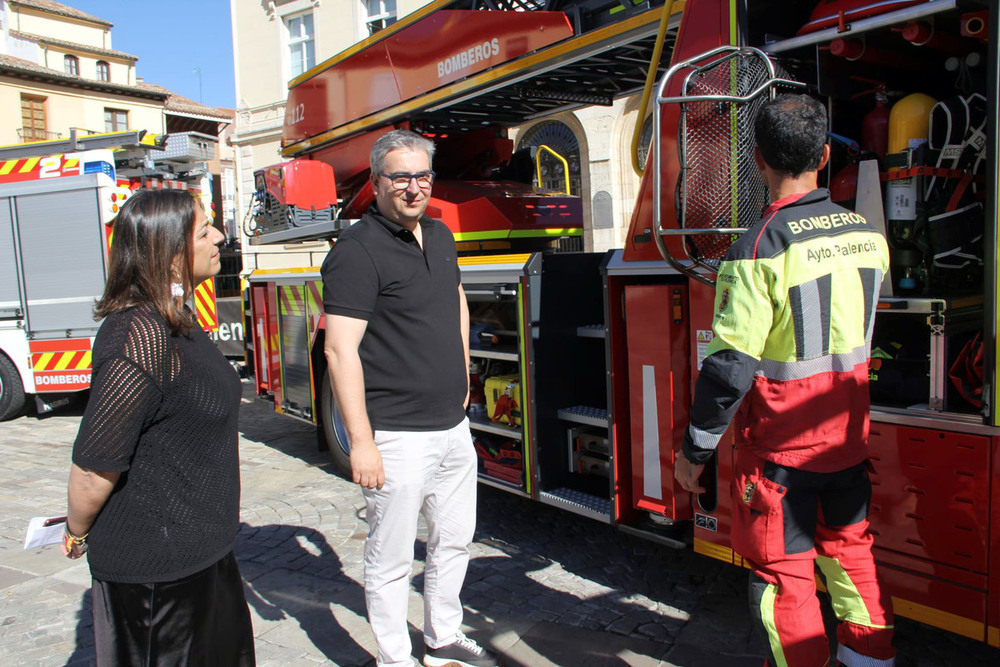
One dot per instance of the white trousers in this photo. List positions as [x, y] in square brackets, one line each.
[432, 473]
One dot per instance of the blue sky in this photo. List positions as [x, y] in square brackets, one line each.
[172, 39]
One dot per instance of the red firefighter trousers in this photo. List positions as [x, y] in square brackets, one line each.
[786, 522]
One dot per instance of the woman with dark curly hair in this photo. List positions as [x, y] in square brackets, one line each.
[154, 488]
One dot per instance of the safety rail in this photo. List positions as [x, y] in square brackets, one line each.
[730, 81]
[538, 165]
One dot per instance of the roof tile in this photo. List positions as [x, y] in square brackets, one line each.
[53, 7]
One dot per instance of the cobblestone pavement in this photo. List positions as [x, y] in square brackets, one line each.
[544, 586]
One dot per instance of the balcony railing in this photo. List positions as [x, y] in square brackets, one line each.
[29, 134]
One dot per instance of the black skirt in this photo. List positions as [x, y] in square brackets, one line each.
[202, 619]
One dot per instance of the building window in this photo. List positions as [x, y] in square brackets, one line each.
[301, 48]
[103, 71]
[380, 14]
[33, 118]
[72, 65]
[115, 120]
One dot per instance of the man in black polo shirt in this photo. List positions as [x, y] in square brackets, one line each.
[397, 345]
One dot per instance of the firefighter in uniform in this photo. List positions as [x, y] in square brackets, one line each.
[794, 309]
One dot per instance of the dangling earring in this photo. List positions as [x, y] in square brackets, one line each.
[177, 289]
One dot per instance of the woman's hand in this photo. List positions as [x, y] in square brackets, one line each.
[72, 546]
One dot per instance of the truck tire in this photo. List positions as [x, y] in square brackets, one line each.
[334, 430]
[12, 397]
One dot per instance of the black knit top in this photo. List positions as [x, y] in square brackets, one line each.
[162, 412]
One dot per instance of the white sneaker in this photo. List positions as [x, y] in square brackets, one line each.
[463, 652]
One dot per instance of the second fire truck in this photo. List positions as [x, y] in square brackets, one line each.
[58, 200]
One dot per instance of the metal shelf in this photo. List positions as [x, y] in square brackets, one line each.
[591, 331]
[502, 353]
[578, 502]
[316, 231]
[582, 414]
[496, 428]
[500, 484]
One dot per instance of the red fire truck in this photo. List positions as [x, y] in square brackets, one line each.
[58, 200]
[585, 362]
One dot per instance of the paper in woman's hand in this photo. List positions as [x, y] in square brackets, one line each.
[44, 530]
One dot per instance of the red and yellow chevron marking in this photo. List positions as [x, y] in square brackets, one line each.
[204, 305]
[292, 300]
[61, 365]
[314, 295]
[314, 306]
[30, 168]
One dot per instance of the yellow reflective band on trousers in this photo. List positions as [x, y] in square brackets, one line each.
[847, 602]
[767, 600]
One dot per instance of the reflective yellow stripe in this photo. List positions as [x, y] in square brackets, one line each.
[7, 166]
[847, 601]
[28, 165]
[996, 291]
[519, 234]
[528, 414]
[960, 625]
[479, 236]
[767, 618]
[733, 34]
[551, 231]
[494, 259]
[278, 272]
[43, 360]
[712, 550]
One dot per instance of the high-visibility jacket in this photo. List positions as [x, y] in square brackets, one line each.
[794, 309]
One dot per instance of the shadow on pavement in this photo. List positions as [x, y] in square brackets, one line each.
[83, 654]
[506, 594]
[292, 573]
[289, 436]
[622, 590]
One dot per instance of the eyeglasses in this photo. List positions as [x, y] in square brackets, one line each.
[401, 180]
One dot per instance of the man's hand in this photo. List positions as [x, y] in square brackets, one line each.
[366, 465]
[687, 474]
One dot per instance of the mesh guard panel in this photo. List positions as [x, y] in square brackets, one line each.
[720, 185]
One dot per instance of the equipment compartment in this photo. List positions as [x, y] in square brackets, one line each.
[914, 344]
[496, 388]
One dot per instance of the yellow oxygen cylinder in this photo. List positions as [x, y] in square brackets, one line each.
[909, 119]
[909, 125]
